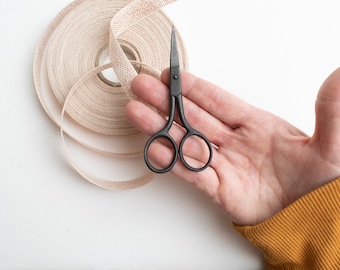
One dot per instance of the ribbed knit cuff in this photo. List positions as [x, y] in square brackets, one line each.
[305, 235]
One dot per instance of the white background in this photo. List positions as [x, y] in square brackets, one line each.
[274, 54]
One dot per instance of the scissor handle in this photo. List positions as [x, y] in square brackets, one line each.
[161, 134]
[177, 151]
[191, 133]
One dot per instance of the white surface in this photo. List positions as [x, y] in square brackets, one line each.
[274, 54]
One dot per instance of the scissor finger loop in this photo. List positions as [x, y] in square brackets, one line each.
[163, 134]
[200, 158]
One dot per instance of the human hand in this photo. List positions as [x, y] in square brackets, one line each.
[261, 163]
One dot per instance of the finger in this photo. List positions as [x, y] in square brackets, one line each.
[144, 118]
[328, 113]
[150, 122]
[206, 180]
[221, 104]
[156, 93]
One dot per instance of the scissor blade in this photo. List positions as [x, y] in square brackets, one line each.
[174, 60]
[175, 76]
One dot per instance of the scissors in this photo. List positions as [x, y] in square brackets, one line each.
[176, 98]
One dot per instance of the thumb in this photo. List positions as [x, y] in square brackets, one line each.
[327, 108]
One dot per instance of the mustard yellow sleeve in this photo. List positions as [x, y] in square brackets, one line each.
[305, 235]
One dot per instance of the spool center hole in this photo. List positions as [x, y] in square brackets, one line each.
[109, 76]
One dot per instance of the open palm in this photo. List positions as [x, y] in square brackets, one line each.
[261, 163]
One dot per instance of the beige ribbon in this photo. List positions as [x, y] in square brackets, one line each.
[69, 66]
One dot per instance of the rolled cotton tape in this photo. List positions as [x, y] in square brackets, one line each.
[87, 38]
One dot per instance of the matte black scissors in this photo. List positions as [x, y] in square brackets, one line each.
[176, 97]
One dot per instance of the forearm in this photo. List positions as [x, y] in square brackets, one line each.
[305, 235]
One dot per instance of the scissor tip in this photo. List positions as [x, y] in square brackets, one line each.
[173, 32]
[173, 51]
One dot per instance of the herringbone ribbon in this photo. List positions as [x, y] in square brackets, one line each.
[69, 72]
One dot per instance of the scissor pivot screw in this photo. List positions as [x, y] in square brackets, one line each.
[175, 77]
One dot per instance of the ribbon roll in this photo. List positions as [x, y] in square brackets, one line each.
[87, 40]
